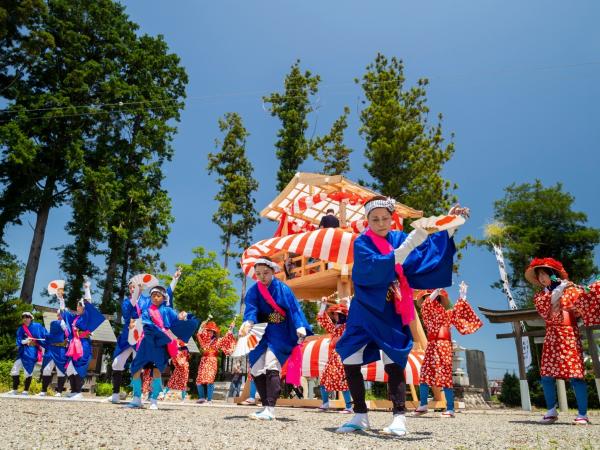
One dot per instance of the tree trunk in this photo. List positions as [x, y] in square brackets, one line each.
[109, 281]
[126, 258]
[243, 296]
[35, 251]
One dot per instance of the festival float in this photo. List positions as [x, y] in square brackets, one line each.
[317, 263]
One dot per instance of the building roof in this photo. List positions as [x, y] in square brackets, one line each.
[510, 315]
[310, 184]
[104, 333]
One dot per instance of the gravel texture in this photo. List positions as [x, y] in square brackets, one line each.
[60, 423]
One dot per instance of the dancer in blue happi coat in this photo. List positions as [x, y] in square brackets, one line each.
[30, 337]
[272, 301]
[124, 350]
[80, 326]
[162, 326]
[387, 264]
[55, 356]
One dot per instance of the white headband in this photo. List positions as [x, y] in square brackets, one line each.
[388, 203]
[267, 263]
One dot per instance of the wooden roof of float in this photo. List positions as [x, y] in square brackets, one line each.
[308, 184]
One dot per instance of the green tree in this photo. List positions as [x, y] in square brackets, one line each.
[236, 215]
[510, 393]
[405, 153]
[11, 307]
[537, 221]
[292, 108]
[50, 117]
[333, 153]
[205, 287]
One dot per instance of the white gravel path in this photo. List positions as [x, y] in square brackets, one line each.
[58, 423]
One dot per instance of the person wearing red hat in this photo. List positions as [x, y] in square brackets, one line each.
[562, 353]
[333, 320]
[438, 316]
[211, 345]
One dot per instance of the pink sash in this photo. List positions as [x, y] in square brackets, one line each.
[39, 347]
[403, 297]
[75, 349]
[294, 363]
[269, 299]
[172, 347]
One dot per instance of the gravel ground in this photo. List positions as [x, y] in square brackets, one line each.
[59, 423]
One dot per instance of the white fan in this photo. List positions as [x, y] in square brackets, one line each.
[135, 333]
[246, 344]
[147, 280]
[54, 285]
[439, 223]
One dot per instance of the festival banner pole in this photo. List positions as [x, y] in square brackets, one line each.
[522, 344]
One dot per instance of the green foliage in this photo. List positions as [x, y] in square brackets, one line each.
[6, 378]
[103, 389]
[539, 221]
[236, 214]
[405, 153]
[510, 393]
[205, 287]
[334, 154]
[292, 109]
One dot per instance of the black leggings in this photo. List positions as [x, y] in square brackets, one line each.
[396, 387]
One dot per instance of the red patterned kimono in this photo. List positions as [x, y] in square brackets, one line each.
[562, 354]
[146, 381]
[334, 377]
[437, 362]
[207, 370]
[179, 378]
[588, 305]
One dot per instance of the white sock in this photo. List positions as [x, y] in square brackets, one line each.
[552, 412]
[398, 423]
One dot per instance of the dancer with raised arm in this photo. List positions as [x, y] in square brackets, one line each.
[387, 265]
[124, 350]
[438, 316]
[162, 326]
[55, 357]
[211, 344]
[80, 325]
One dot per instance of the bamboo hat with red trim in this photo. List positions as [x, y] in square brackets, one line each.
[421, 294]
[549, 263]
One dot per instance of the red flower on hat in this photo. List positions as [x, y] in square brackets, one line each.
[547, 262]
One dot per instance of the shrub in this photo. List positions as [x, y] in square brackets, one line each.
[510, 394]
[104, 389]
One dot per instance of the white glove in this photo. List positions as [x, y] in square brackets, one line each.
[61, 302]
[558, 292]
[463, 290]
[137, 290]
[63, 325]
[246, 327]
[182, 315]
[434, 294]
[412, 241]
[25, 341]
[301, 332]
[87, 294]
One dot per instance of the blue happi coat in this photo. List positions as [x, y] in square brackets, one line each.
[56, 353]
[152, 349]
[89, 320]
[372, 320]
[28, 353]
[129, 312]
[280, 338]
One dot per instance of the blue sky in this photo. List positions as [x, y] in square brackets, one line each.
[516, 82]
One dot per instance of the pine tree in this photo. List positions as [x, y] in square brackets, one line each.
[334, 154]
[405, 153]
[292, 109]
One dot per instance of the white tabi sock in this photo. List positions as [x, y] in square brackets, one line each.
[398, 425]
